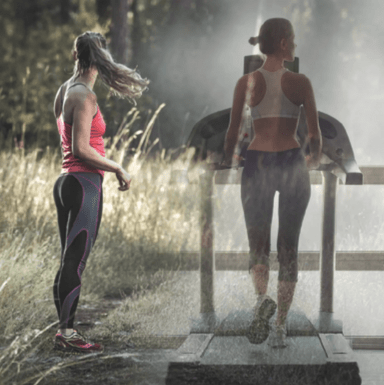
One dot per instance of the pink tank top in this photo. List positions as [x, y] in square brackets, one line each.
[72, 164]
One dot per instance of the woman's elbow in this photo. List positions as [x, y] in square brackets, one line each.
[314, 135]
[79, 152]
[314, 130]
[232, 133]
[76, 152]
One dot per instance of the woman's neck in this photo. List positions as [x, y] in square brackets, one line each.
[273, 63]
[88, 78]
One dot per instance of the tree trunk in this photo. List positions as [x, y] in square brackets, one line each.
[135, 35]
[119, 30]
[65, 7]
[103, 9]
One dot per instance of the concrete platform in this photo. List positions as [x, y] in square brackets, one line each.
[217, 352]
[237, 322]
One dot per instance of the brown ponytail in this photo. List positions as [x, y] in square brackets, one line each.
[253, 40]
[91, 49]
[271, 33]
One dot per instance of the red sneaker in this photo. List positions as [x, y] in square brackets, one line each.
[76, 343]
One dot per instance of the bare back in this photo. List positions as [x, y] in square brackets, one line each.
[276, 133]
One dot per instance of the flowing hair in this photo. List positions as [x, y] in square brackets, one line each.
[91, 50]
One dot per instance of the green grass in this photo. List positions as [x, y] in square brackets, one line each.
[141, 235]
[139, 227]
[148, 318]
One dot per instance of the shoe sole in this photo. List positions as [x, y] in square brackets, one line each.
[267, 309]
[259, 329]
[73, 350]
[278, 345]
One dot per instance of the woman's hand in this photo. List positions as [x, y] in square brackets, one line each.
[226, 163]
[124, 179]
[312, 163]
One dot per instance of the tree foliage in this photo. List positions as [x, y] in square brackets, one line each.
[36, 60]
[167, 39]
[36, 41]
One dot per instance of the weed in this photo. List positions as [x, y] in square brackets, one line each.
[154, 218]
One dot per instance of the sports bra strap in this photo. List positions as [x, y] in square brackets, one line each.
[76, 84]
[72, 85]
[61, 92]
[61, 97]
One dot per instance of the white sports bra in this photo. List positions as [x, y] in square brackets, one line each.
[274, 104]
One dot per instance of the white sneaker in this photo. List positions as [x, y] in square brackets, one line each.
[258, 331]
[277, 336]
[265, 307]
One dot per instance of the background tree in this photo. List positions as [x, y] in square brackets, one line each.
[65, 9]
[119, 30]
[36, 59]
[192, 51]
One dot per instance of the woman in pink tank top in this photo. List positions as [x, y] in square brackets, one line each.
[274, 162]
[78, 191]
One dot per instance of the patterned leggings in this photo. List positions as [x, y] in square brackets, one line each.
[79, 202]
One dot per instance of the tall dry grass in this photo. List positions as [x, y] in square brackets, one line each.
[154, 218]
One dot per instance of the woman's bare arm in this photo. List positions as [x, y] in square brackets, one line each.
[57, 104]
[235, 121]
[81, 133]
[314, 133]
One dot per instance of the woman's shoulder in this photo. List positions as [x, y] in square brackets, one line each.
[298, 77]
[73, 94]
[249, 78]
[59, 99]
[73, 90]
[253, 75]
[300, 81]
[79, 96]
[79, 90]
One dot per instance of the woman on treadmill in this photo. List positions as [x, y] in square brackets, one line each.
[78, 190]
[274, 162]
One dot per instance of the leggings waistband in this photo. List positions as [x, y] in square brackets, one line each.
[257, 160]
[93, 177]
[270, 157]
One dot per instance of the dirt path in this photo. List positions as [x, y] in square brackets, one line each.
[117, 365]
[87, 316]
[121, 362]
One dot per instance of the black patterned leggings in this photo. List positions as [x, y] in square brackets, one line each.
[79, 202]
[264, 174]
